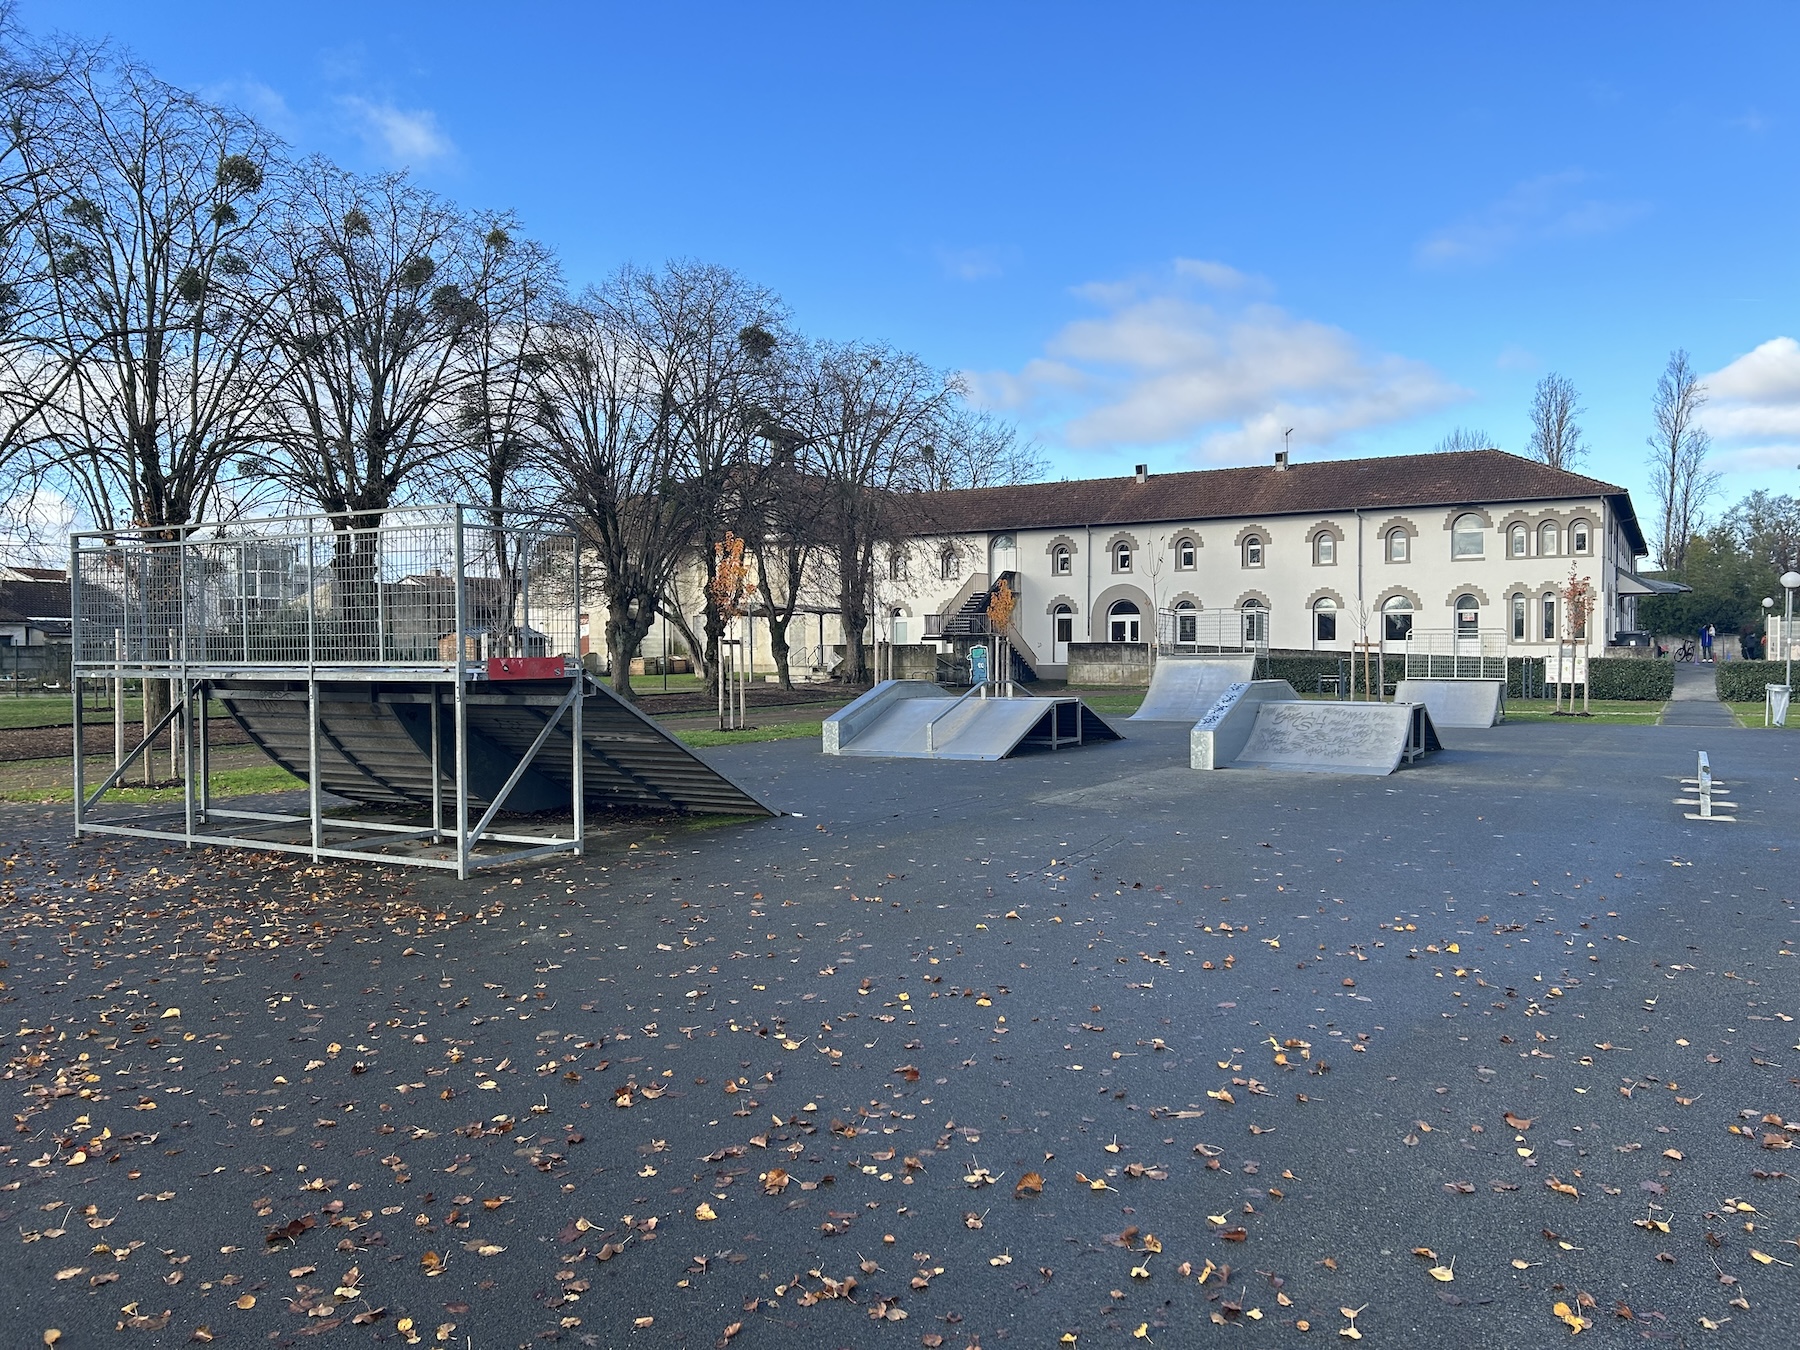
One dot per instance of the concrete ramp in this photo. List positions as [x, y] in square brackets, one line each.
[1457, 703]
[1182, 688]
[915, 719]
[1264, 724]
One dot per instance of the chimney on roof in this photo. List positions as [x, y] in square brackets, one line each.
[1281, 461]
[1143, 472]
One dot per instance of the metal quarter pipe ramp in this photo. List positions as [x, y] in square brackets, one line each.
[915, 719]
[1264, 724]
[1182, 688]
[377, 746]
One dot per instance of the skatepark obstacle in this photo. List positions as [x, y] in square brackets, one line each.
[1461, 677]
[1457, 703]
[916, 719]
[1182, 688]
[423, 667]
[1265, 724]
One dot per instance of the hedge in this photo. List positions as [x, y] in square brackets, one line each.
[1743, 681]
[1617, 677]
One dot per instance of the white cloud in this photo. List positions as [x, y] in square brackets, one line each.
[408, 138]
[1754, 403]
[264, 103]
[1538, 210]
[1225, 380]
[974, 264]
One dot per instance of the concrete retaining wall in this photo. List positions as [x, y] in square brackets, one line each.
[1109, 663]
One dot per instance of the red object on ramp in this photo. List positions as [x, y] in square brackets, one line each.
[527, 668]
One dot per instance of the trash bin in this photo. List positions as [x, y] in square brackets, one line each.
[1776, 698]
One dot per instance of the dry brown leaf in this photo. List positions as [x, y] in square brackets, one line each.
[1030, 1184]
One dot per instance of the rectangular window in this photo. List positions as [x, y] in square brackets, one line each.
[1184, 557]
[1327, 625]
[1518, 618]
[1397, 627]
[1549, 618]
[1187, 628]
[1065, 628]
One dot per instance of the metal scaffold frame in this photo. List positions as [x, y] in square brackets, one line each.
[426, 607]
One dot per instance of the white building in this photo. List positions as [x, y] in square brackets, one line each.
[1472, 542]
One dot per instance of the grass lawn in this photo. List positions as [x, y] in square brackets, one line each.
[1615, 711]
[778, 731]
[1751, 715]
[225, 783]
[1111, 702]
[57, 710]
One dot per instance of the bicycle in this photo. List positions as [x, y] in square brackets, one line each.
[1685, 652]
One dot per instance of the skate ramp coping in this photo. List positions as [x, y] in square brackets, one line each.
[1265, 724]
[916, 719]
[1183, 688]
[1457, 703]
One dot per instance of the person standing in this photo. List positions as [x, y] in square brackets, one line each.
[1706, 641]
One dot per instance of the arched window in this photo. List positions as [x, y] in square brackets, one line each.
[1253, 550]
[1549, 609]
[1517, 541]
[1256, 622]
[1396, 618]
[1397, 546]
[1547, 540]
[1324, 549]
[1121, 557]
[950, 565]
[1187, 622]
[1518, 616]
[1187, 555]
[898, 628]
[897, 565]
[1468, 616]
[1325, 619]
[1578, 537]
[1465, 536]
[1061, 561]
[1123, 622]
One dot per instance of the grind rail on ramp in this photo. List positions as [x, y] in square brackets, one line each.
[376, 746]
[1264, 724]
[915, 719]
[1182, 688]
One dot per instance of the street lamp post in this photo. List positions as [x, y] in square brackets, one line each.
[1790, 581]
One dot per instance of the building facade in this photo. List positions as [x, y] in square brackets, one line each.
[1475, 544]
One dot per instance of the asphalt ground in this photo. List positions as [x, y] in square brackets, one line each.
[1081, 1049]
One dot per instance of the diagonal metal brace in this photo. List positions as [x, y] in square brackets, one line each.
[525, 761]
[124, 764]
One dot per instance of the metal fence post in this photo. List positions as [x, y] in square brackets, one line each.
[460, 694]
[75, 636]
[578, 749]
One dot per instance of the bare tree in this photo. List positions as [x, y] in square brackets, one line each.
[378, 281]
[37, 82]
[1678, 451]
[1555, 432]
[607, 415]
[871, 418]
[151, 225]
[976, 449]
[1464, 438]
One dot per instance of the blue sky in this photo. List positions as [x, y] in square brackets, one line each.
[1148, 232]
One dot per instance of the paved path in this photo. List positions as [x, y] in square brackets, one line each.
[1696, 701]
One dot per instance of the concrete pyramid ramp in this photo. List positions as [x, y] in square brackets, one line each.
[1457, 703]
[915, 719]
[1182, 688]
[1264, 724]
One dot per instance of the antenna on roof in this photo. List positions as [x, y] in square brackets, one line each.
[1281, 455]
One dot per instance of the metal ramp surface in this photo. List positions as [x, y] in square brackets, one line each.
[1353, 738]
[914, 719]
[1182, 688]
[376, 746]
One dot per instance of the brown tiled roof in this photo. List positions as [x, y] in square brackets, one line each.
[36, 599]
[1453, 478]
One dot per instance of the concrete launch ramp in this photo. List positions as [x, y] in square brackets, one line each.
[375, 745]
[1182, 688]
[1457, 703]
[1264, 724]
[915, 719]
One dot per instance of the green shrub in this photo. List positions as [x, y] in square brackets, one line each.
[1743, 681]
[1303, 671]
[1627, 677]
